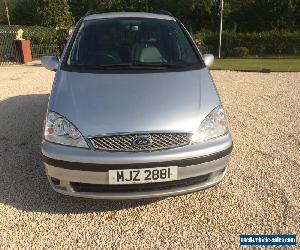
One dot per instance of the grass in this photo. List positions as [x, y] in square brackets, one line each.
[258, 64]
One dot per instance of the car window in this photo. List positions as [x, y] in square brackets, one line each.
[122, 41]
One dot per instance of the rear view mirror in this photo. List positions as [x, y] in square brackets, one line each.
[50, 62]
[208, 59]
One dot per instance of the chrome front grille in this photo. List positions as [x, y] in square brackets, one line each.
[126, 142]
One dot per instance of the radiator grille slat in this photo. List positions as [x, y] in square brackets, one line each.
[124, 143]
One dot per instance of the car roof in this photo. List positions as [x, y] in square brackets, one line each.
[128, 14]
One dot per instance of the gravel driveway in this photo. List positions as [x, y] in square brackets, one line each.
[260, 194]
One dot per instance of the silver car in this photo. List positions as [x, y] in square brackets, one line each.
[133, 112]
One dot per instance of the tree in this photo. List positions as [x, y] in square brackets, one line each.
[25, 12]
[55, 13]
[194, 13]
[263, 15]
[80, 7]
[242, 16]
[11, 5]
[3, 19]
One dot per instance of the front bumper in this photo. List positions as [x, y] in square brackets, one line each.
[199, 167]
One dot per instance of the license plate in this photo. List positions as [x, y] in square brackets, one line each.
[143, 175]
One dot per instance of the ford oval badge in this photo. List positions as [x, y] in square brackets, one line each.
[142, 141]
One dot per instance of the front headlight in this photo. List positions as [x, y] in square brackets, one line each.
[59, 130]
[214, 125]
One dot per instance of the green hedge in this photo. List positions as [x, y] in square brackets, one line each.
[38, 35]
[44, 41]
[261, 44]
[42, 35]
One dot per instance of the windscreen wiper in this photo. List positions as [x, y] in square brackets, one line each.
[135, 65]
[159, 64]
[110, 66]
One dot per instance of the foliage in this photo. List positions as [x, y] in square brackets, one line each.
[25, 12]
[264, 27]
[43, 40]
[264, 15]
[240, 52]
[3, 18]
[80, 7]
[258, 43]
[55, 13]
[240, 16]
[261, 44]
[194, 13]
[37, 35]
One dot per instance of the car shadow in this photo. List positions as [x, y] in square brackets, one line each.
[23, 183]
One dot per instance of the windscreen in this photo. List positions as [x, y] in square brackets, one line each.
[133, 41]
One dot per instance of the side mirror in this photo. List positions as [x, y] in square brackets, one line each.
[208, 59]
[50, 62]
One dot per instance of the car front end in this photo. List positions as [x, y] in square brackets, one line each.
[85, 173]
[134, 130]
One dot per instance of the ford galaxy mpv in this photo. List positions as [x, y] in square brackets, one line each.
[133, 112]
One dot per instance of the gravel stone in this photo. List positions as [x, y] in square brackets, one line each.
[259, 195]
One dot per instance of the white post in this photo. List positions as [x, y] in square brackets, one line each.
[221, 27]
[7, 12]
